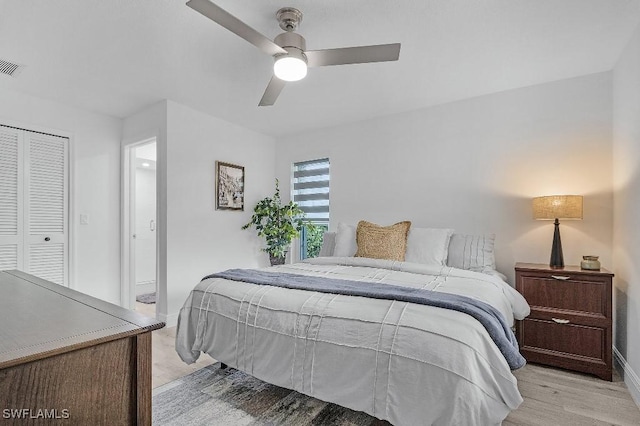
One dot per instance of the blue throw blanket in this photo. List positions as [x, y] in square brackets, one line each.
[486, 314]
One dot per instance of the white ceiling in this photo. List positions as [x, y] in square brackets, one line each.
[118, 56]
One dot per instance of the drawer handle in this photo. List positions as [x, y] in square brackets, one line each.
[560, 277]
[560, 321]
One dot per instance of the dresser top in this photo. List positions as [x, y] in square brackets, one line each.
[41, 319]
[541, 267]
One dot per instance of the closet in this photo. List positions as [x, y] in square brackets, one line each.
[34, 203]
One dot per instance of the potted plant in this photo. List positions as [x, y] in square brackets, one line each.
[279, 224]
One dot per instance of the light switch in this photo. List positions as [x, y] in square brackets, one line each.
[84, 219]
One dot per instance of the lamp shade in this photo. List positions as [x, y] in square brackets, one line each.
[557, 207]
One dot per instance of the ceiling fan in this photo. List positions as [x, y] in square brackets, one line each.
[289, 48]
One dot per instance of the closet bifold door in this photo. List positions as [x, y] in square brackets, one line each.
[46, 201]
[11, 199]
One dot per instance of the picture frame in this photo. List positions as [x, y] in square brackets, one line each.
[229, 186]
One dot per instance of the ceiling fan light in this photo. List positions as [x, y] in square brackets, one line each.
[290, 68]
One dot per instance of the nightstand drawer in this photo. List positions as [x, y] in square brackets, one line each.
[573, 295]
[569, 339]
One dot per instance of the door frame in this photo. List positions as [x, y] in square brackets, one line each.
[127, 213]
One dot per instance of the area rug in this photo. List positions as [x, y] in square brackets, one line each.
[147, 298]
[212, 396]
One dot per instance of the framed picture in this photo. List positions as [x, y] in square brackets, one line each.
[229, 186]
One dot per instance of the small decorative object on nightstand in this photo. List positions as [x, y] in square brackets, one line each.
[570, 321]
[590, 263]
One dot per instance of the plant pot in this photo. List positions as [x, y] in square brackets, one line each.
[277, 260]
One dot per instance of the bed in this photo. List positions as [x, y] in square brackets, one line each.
[406, 363]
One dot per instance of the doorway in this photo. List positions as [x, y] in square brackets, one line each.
[141, 224]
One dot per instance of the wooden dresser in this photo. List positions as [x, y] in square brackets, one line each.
[69, 358]
[570, 325]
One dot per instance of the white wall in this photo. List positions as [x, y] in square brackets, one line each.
[95, 168]
[475, 165]
[200, 239]
[626, 160]
[194, 239]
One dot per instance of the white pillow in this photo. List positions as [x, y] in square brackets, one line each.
[328, 244]
[473, 252]
[346, 245]
[428, 246]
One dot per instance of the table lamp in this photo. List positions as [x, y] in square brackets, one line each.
[554, 207]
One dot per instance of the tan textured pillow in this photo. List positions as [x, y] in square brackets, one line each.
[382, 242]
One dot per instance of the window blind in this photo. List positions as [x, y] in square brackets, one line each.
[311, 189]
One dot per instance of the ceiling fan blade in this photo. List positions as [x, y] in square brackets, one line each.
[353, 55]
[272, 92]
[236, 26]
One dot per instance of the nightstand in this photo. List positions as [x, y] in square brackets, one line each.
[570, 325]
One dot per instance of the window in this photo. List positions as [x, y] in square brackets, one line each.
[311, 193]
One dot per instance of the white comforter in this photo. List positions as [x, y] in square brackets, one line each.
[407, 363]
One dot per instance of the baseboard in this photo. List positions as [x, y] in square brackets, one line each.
[631, 379]
[145, 287]
[170, 320]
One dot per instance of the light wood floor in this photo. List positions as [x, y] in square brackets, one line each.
[167, 365]
[557, 397]
[551, 396]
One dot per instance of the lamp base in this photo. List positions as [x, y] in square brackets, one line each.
[557, 260]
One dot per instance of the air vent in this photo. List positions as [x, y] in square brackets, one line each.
[9, 68]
